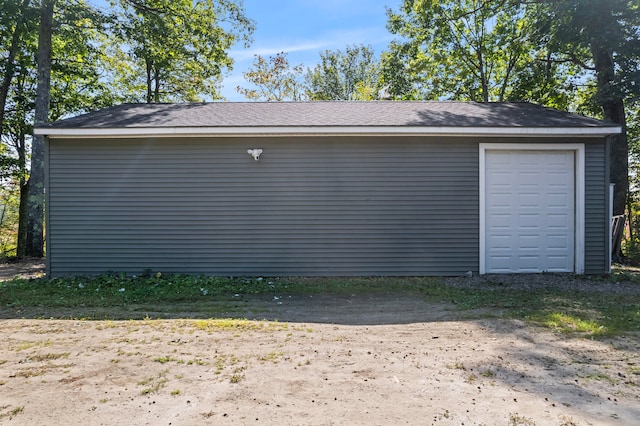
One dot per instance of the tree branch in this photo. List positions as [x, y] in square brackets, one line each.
[571, 58]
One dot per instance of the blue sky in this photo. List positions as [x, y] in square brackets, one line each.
[304, 28]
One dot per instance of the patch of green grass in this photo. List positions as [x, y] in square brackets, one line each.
[600, 314]
[151, 290]
[570, 323]
[166, 359]
[118, 290]
[158, 295]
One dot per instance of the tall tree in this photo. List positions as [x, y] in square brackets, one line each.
[18, 127]
[349, 75]
[601, 37]
[176, 49]
[74, 86]
[35, 218]
[273, 79]
[461, 49]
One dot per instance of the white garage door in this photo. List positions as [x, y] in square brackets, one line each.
[529, 211]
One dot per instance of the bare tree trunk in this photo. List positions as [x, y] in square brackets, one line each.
[149, 81]
[35, 220]
[23, 211]
[156, 82]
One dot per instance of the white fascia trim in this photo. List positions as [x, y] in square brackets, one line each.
[579, 152]
[123, 132]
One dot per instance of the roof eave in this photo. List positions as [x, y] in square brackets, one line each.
[138, 132]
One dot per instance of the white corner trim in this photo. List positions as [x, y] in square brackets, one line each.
[122, 132]
[579, 153]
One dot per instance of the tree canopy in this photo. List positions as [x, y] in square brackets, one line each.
[175, 50]
[273, 79]
[352, 74]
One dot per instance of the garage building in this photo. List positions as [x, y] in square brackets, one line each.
[327, 188]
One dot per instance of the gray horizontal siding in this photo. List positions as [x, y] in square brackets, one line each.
[596, 209]
[310, 206]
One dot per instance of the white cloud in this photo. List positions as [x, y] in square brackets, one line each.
[332, 40]
[242, 55]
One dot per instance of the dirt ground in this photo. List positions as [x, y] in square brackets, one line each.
[25, 268]
[327, 360]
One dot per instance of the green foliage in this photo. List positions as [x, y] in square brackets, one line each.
[176, 50]
[9, 203]
[77, 61]
[273, 80]
[470, 50]
[349, 75]
[575, 31]
[631, 246]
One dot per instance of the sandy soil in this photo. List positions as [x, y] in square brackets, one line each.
[320, 360]
[360, 360]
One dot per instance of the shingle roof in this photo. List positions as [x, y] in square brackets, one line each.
[318, 114]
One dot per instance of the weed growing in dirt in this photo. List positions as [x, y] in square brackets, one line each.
[45, 357]
[237, 375]
[10, 413]
[273, 357]
[153, 384]
[518, 420]
[166, 359]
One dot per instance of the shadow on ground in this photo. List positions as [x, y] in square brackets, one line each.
[361, 309]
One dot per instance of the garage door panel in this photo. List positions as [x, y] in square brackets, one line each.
[529, 221]
[556, 263]
[555, 221]
[531, 200]
[529, 179]
[559, 200]
[501, 243]
[530, 211]
[501, 200]
[529, 242]
[558, 242]
[558, 180]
